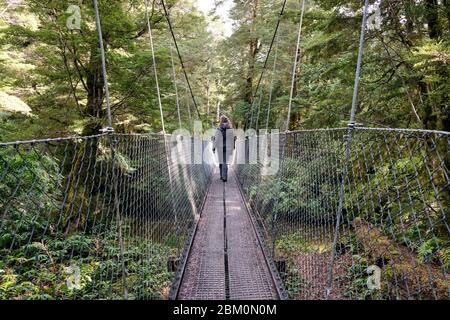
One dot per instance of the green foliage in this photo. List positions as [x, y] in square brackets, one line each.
[39, 270]
[293, 283]
[29, 178]
[303, 184]
[405, 70]
[43, 249]
[355, 281]
[55, 71]
[435, 250]
[288, 245]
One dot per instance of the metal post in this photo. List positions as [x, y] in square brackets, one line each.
[103, 58]
[351, 125]
[299, 36]
[110, 130]
[150, 38]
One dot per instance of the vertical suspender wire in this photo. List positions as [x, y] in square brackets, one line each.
[152, 48]
[280, 15]
[252, 106]
[191, 123]
[351, 126]
[110, 130]
[166, 13]
[272, 81]
[102, 54]
[358, 66]
[218, 111]
[294, 68]
[285, 142]
[259, 109]
[177, 226]
[165, 136]
[175, 86]
[251, 109]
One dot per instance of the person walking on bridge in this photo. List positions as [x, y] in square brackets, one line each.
[224, 142]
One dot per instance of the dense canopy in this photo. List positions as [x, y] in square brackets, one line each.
[56, 71]
[114, 209]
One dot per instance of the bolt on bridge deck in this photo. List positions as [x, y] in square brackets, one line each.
[226, 260]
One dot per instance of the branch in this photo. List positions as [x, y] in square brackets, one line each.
[129, 92]
[413, 107]
[392, 70]
[63, 46]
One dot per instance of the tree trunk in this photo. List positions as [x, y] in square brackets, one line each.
[446, 4]
[409, 15]
[85, 157]
[431, 15]
[95, 96]
[428, 117]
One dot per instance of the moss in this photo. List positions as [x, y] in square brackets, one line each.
[405, 270]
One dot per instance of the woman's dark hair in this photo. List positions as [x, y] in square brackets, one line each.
[225, 121]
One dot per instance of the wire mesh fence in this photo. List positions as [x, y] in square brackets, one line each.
[109, 216]
[393, 236]
[100, 217]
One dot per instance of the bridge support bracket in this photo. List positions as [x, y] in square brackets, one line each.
[108, 130]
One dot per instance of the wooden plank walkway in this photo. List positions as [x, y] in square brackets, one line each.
[226, 260]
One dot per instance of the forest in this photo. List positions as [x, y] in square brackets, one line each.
[58, 198]
[50, 74]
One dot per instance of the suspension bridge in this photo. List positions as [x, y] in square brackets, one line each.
[351, 213]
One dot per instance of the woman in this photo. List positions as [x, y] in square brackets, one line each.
[224, 142]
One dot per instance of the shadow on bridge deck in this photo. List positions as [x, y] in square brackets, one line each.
[226, 260]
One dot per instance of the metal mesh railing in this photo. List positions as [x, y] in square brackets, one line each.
[393, 239]
[100, 217]
[110, 216]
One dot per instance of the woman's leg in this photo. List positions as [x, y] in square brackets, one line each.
[225, 172]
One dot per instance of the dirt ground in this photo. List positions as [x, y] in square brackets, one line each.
[312, 268]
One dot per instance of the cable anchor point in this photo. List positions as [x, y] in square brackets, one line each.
[108, 130]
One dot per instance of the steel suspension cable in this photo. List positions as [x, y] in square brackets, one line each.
[294, 69]
[351, 126]
[218, 111]
[284, 144]
[103, 59]
[189, 112]
[112, 142]
[280, 15]
[283, 149]
[272, 81]
[259, 109]
[177, 100]
[165, 136]
[150, 36]
[169, 22]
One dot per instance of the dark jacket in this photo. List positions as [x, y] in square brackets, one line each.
[223, 143]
